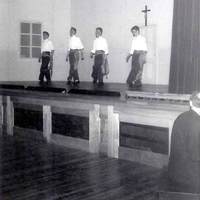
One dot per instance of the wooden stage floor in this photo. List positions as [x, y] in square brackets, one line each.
[110, 92]
[152, 96]
[118, 87]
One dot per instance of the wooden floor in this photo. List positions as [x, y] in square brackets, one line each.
[39, 171]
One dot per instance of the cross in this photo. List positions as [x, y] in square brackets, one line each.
[145, 14]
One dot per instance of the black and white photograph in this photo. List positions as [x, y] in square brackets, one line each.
[99, 100]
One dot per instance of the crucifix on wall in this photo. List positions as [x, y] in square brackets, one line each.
[145, 11]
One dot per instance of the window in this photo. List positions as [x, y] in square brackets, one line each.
[30, 40]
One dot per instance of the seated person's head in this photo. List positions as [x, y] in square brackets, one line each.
[195, 99]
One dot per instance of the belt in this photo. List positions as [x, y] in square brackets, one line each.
[45, 53]
[99, 52]
[140, 51]
[73, 50]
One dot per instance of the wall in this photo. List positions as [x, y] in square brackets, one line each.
[117, 17]
[55, 18]
[4, 21]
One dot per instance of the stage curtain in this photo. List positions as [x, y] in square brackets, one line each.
[185, 54]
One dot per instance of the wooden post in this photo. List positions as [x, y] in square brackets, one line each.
[113, 133]
[47, 122]
[8, 116]
[94, 130]
[171, 122]
[1, 115]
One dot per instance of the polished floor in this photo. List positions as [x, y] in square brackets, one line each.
[34, 170]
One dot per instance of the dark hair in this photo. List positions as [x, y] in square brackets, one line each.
[195, 99]
[135, 28]
[100, 29]
[45, 32]
[74, 29]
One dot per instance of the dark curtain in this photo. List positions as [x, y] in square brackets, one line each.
[185, 54]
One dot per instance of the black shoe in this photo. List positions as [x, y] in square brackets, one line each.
[100, 84]
[76, 82]
[48, 82]
[94, 81]
[41, 82]
[138, 83]
[69, 82]
[130, 85]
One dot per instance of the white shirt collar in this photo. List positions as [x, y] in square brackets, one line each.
[195, 109]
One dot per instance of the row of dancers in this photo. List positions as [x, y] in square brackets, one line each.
[100, 54]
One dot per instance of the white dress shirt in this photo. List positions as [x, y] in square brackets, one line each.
[138, 43]
[47, 45]
[75, 43]
[100, 43]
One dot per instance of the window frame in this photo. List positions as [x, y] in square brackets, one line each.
[30, 34]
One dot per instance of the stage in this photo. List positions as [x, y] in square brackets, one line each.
[112, 91]
[122, 122]
[119, 87]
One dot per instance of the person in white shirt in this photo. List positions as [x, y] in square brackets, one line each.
[138, 53]
[47, 51]
[75, 49]
[100, 51]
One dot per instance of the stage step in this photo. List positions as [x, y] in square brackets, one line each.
[164, 97]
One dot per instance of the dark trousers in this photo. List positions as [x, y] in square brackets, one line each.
[97, 74]
[138, 60]
[73, 61]
[44, 71]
